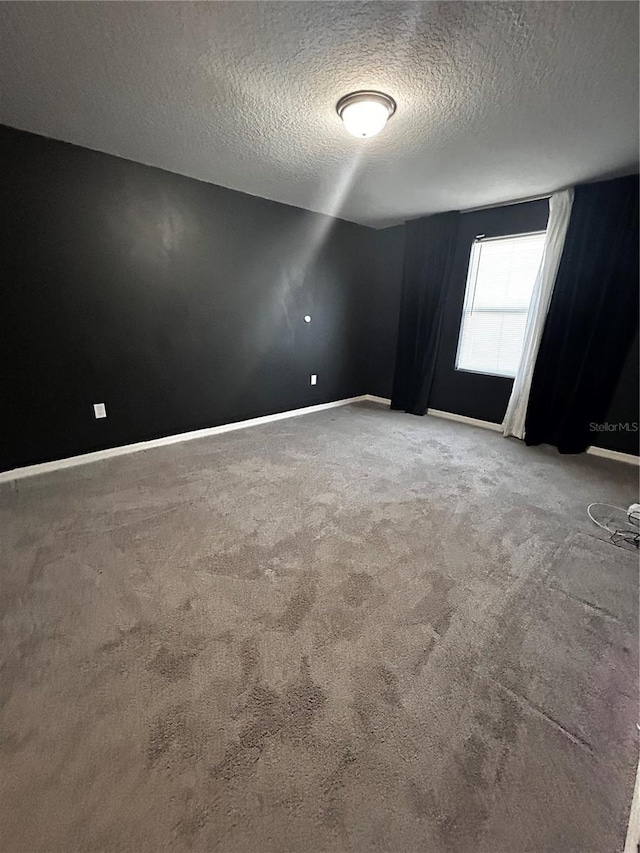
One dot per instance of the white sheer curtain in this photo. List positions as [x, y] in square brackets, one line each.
[559, 214]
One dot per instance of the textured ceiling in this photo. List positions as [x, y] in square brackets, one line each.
[496, 101]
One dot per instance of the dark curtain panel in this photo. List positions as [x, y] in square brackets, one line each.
[429, 249]
[593, 318]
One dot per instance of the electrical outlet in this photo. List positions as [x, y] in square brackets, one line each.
[99, 410]
[314, 378]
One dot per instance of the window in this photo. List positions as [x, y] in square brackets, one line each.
[502, 272]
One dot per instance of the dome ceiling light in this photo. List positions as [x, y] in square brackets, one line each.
[365, 113]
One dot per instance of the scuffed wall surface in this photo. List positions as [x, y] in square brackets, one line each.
[178, 304]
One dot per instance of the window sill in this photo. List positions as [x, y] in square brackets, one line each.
[485, 373]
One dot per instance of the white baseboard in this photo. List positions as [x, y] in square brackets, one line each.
[110, 452]
[463, 419]
[629, 458]
[617, 455]
[633, 828]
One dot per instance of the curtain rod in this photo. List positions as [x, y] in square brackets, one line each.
[482, 239]
[507, 203]
[482, 206]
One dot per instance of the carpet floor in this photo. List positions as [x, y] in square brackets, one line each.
[355, 630]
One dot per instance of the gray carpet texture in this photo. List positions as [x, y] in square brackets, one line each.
[355, 630]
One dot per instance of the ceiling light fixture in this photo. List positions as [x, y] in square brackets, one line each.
[365, 113]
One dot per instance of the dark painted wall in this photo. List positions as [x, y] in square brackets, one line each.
[384, 308]
[622, 418]
[177, 303]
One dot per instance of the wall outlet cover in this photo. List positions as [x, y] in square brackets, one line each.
[314, 378]
[99, 410]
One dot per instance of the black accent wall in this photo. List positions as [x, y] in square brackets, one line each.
[384, 309]
[177, 303]
[622, 419]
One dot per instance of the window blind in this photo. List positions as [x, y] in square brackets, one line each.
[502, 272]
